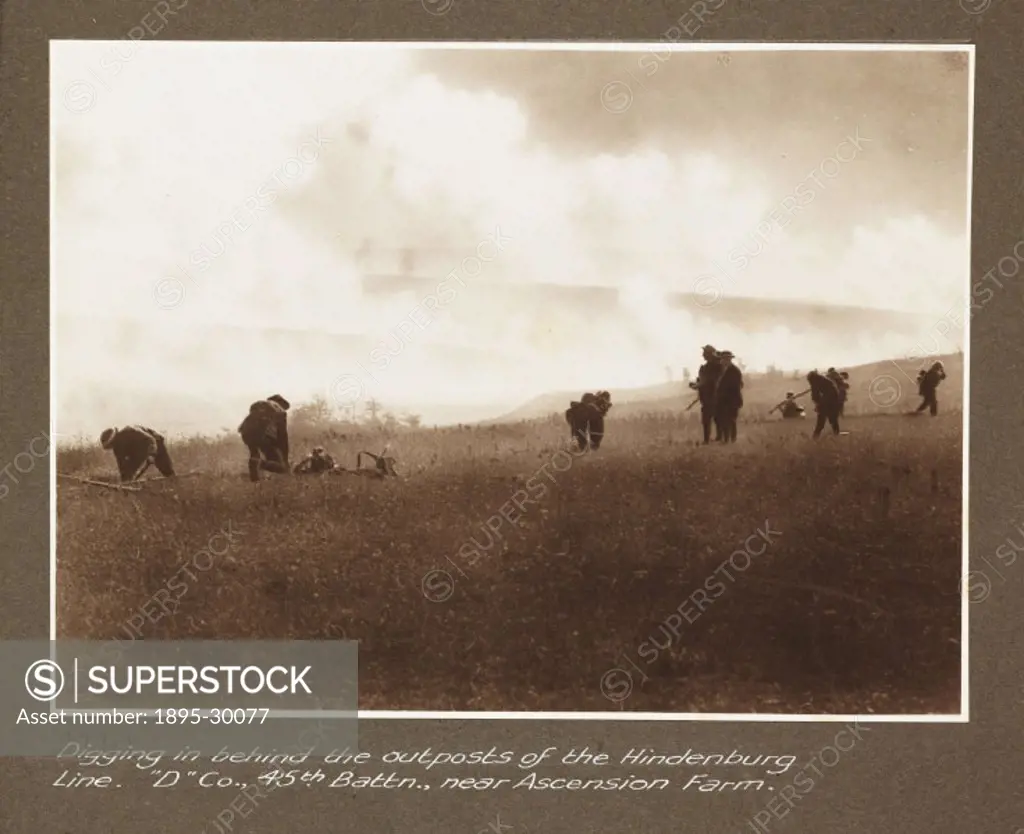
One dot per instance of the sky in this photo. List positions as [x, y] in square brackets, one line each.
[457, 231]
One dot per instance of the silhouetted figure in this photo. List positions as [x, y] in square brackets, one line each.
[728, 397]
[826, 402]
[927, 385]
[840, 380]
[265, 432]
[705, 385]
[586, 419]
[135, 448]
[790, 408]
[315, 463]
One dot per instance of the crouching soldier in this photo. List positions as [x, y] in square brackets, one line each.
[136, 448]
[265, 433]
[315, 463]
[790, 408]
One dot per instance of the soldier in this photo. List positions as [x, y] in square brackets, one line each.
[135, 448]
[790, 408]
[603, 403]
[586, 419]
[842, 386]
[707, 381]
[728, 397]
[927, 384]
[826, 402]
[315, 463]
[265, 432]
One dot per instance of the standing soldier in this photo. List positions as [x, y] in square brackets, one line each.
[927, 384]
[707, 382]
[136, 448]
[728, 397]
[826, 402]
[265, 432]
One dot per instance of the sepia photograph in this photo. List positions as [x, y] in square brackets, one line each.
[570, 380]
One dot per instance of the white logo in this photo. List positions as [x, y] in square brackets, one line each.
[44, 680]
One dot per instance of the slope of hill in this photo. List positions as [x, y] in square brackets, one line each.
[875, 386]
[544, 404]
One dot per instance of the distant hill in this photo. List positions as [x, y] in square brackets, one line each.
[545, 404]
[179, 414]
[736, 311]
[873, 387]
[174, 401]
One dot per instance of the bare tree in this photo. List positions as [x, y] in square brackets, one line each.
[315, 414]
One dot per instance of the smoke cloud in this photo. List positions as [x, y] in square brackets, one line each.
[233, 220]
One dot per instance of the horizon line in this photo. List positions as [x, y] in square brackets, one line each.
[407, 407]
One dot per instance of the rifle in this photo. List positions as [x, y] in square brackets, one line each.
[691, 405]
[104, 484]
[795, 397]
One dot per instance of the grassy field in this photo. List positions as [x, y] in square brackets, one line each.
[853, 608]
